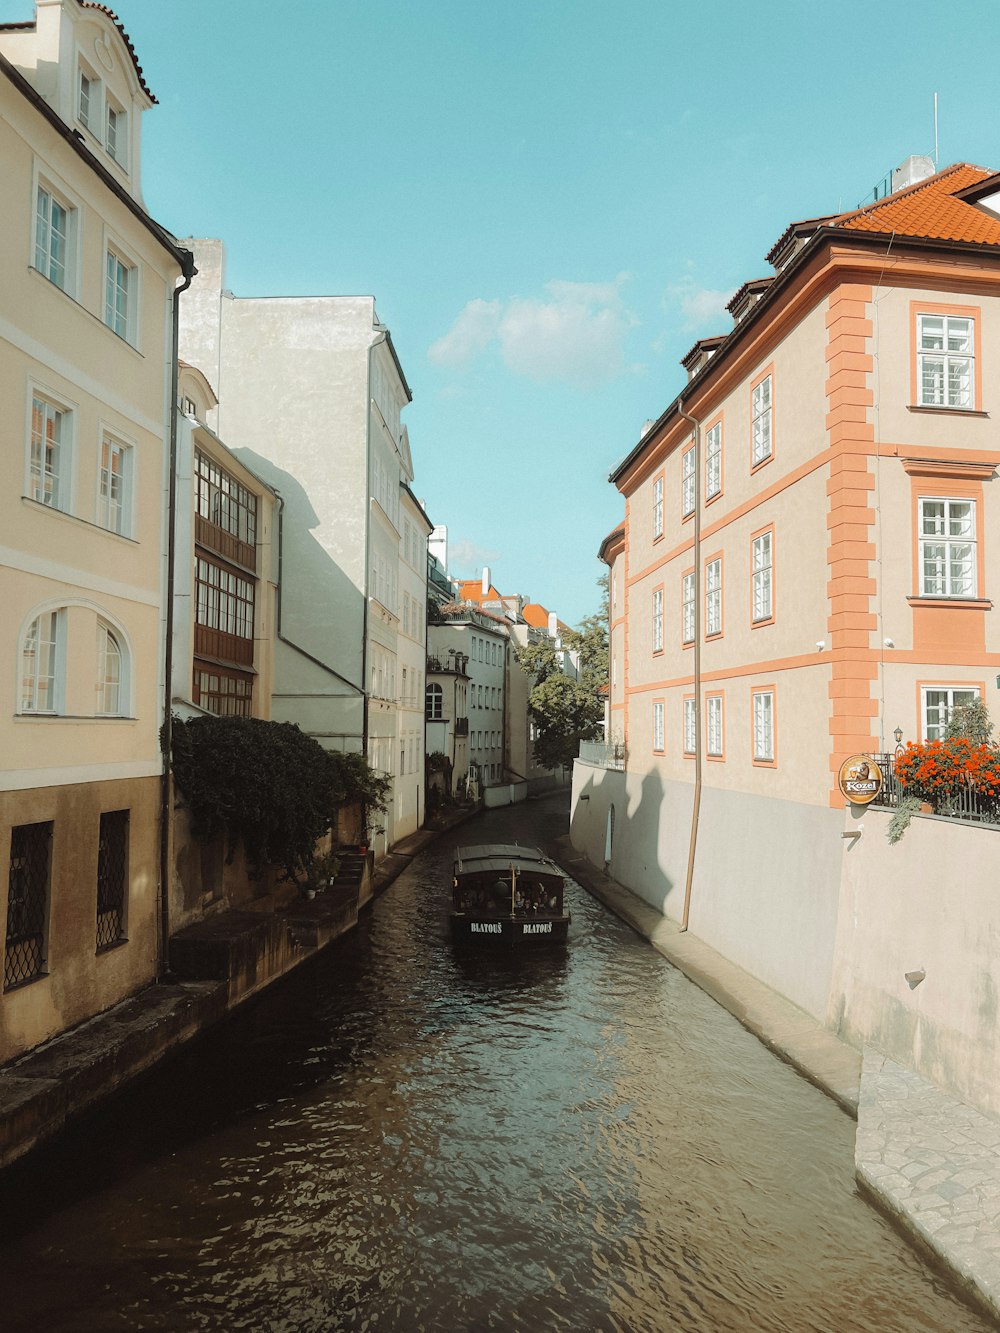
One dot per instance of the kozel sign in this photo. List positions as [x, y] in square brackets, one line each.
[860, 779]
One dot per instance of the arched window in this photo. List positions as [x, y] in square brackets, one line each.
[434, 703]
[39, 664]
[110, 673]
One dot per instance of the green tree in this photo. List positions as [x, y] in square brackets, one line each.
[566, 709]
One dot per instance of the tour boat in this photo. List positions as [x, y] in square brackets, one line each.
[507, 895]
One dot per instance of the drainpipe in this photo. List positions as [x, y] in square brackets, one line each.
[188, 271]
[696, 806]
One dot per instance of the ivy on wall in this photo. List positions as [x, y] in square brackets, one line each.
[269, 786]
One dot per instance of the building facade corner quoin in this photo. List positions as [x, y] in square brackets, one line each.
[849, 498]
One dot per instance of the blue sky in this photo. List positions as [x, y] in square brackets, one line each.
[550, 202]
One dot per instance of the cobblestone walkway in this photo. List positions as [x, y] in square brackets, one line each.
[935, 1164]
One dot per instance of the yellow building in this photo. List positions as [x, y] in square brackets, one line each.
[87, 317]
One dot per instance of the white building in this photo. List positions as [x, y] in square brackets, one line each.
[310, 396]
[411, 650]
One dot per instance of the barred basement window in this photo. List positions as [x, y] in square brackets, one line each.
[27, 903]
[112, 878]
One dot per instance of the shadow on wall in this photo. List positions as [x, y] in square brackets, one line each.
[322, 609]
[640, 850]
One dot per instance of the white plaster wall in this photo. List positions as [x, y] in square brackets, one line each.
[766, 882]
[930, 903]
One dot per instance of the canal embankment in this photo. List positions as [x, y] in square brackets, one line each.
[928, 1161]
[217, 965]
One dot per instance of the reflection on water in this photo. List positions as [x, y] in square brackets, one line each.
[402, 1137]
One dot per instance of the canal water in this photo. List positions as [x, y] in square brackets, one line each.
[399, 1138]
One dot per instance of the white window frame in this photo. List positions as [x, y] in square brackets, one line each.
[688, 599]
[658, 729]
[763, 726]
[761, 421]
[713, 726]
[35, 464]
[689, 490]
[713, 597]
[657, 620]
[61, 272]
[946, 377]
[690, 729]
[114, 514]
[91, 117]
[34, 685]
[657, 507]
[934, 730]
[116, 131]
[713, 461]
[947, 580]
[761, 578]
[112, 683]
[121, 294]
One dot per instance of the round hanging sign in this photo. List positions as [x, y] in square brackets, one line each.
[859, 779]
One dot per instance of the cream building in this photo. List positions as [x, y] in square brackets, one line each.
[87, 301]
[311, 394]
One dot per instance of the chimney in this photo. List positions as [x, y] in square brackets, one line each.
[912, 170]
[486, 579]
[553, 625]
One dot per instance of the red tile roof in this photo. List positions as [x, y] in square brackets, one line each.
[535, 615]
[471, 590]
[930, 208]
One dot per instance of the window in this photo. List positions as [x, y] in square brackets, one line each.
[690, 727]
[763, 726]
[116, 133]
[657, 508]
[114, 498]
[938, 703]
[713, 461]
[48, 481]
[761, 577]
[27, 903]
[53, 238]
[119, 297]
[947, 548]
[110, 661]
[224, 693]
[687, 483]
[713, 726]
[434, 703]
[688, 607]
[713, 597]
[225, 601]
[87, 104]
[658, 726]
[760, 421]
[39, 664]
[224, 503]
[945, 361]
[112, 878]
[658, 620]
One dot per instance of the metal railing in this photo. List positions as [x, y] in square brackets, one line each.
[966, 805]
[603, 754]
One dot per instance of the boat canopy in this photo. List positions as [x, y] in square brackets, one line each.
[500, 858]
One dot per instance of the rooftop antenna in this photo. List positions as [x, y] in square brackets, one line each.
[935, 131]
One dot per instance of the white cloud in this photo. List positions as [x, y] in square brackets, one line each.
[467, 555]
[473, 330]
[575, 333]
[701, 306]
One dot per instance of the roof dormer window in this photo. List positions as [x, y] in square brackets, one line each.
[89, 99]
[115, 140]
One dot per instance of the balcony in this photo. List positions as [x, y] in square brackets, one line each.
[603, 754]
[454, 664]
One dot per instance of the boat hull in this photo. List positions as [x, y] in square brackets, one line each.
[517, 932]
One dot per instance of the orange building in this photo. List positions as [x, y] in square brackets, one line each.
[807, 563]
